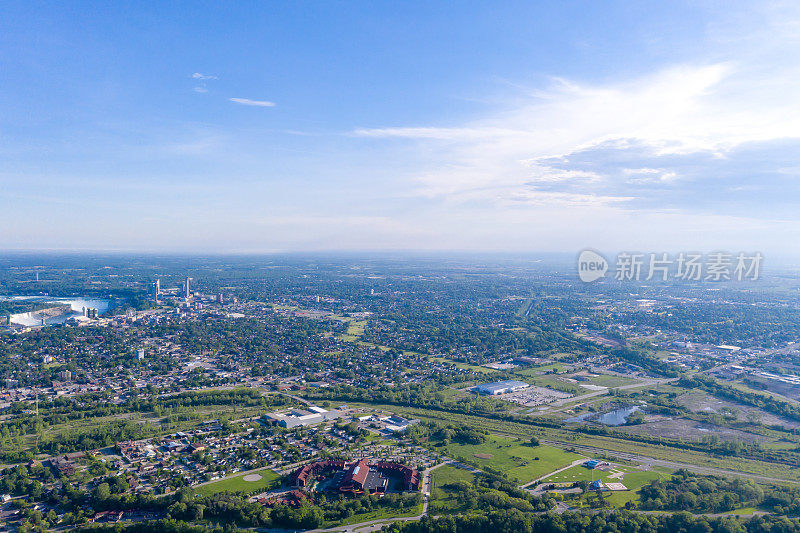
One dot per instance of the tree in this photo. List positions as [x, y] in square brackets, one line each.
[102, 491]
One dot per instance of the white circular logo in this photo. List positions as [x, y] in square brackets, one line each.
[591, 266]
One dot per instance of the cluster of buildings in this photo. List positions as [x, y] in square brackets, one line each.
[65, 464]
[298, 417]
[387, 424]
[359, 477]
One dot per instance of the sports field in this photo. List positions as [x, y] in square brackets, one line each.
[247, 482]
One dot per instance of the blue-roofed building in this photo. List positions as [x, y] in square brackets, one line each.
[591, 464]
[597, 485]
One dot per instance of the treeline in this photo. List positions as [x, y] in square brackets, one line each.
[153, 526]
[235, 510]
[94, 406]
[444, 434]
[513, 521]
[412, 395]
[643, 359]
[687, 491]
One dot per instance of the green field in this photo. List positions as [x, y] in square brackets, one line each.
[443, 500]
[633, 478]
[269, 479]
[520, 462]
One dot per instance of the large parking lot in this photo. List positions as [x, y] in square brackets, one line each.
[533, 396]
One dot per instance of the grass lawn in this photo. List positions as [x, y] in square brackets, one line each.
[269, 479]
[513, 457]
[634, 480]
[742, 511]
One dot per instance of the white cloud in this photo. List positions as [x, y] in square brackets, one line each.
[256, 103]
[649, 175]
[684, 109]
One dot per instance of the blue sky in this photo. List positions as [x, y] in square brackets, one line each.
[507, 126]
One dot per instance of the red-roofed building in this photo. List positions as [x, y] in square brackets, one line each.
[355, 477]
[304, 475]
[360, 476]
[410, 475]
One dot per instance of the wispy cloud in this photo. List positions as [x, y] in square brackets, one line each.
[203, 77]
[255, 103]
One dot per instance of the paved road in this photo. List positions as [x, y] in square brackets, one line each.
[293, 397]
[576, 462]
[669, 464]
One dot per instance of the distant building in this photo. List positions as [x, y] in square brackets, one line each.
[500, 387]
[298, 417]
[140, 354]
[398, 424]
[591, 464]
